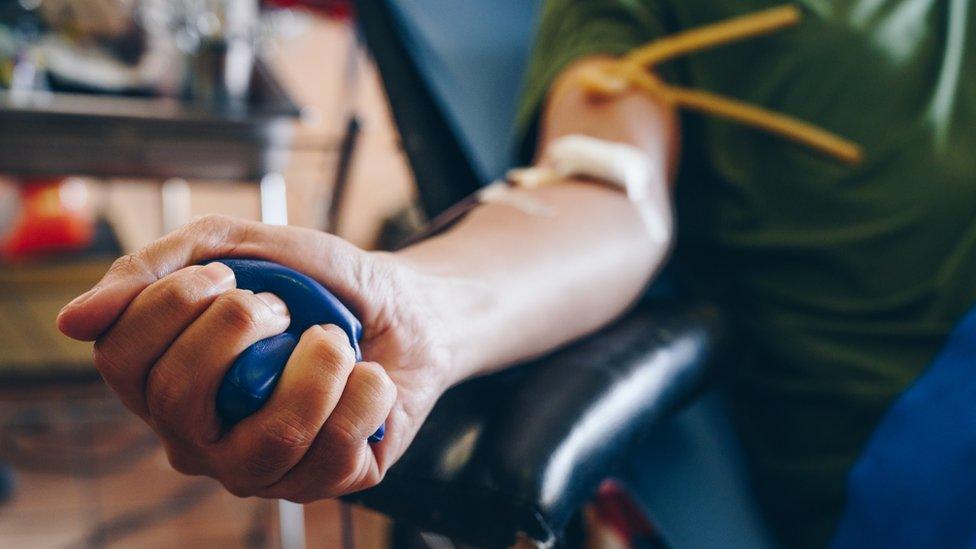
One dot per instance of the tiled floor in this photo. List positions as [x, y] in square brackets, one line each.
[90, 475]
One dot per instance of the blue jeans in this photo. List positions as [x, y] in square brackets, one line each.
[915, 483]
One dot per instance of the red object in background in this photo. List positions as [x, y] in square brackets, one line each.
[617, 512]
[54, 216]
[340, 9]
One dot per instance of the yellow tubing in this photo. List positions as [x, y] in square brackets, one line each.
[716, 34]
[633, 71]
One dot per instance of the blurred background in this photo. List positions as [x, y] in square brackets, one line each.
[121, 120]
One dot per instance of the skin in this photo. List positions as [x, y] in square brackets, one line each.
[499, 287]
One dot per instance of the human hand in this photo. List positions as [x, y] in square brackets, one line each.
[167, 329]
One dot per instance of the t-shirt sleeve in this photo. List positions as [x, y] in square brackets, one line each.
[572, 29]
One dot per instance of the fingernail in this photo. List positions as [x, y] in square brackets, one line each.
[220, 274]
[274, 302]
[334, 329]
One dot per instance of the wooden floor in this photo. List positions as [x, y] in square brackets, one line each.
[91, 475]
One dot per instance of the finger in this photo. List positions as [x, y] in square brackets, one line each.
[181, 389]
[329, 259]
[151, 323]
[263, 447]
[94, 311]
[340, 460]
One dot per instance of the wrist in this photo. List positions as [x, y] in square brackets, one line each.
[447, 308]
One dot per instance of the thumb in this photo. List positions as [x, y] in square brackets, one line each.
[328, 259]
[90, 314]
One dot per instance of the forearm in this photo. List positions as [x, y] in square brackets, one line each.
[511, 285]
[500, 286]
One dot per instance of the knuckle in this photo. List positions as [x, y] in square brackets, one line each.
[215, 232]
[164, 391]
[175, 295]
[264, 465]
[210, 224]
[381, 386]
[105, 358]
[129, 264]
[236, 310]
[281, 440]
[288, 432]
[332, 349]
[340, 431]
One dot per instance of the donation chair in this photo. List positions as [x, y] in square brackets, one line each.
[518, 454]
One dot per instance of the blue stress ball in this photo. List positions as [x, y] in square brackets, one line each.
[253, 376]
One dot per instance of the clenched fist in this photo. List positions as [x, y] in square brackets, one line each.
[166, 330]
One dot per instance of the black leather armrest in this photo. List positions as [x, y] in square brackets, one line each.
[522, 450]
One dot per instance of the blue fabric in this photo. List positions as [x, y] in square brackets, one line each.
[915, 483]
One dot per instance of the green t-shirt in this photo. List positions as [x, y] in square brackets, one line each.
[842, 282]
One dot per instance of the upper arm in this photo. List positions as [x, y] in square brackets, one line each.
[635, 117]
[576, 33]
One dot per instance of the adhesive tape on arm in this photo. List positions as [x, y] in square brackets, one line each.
[624, 166]
[620, 165]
